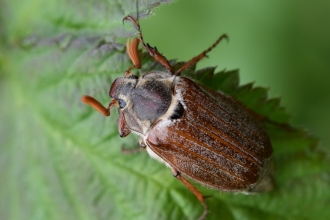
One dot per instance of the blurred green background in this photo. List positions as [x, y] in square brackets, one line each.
[282, 45]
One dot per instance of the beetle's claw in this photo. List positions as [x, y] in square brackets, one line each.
[202, 217]
[225, 36]
[131, 19]
[125, 18]
[131, 151]
[207, 197]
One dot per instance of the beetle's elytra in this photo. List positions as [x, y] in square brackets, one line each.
[203, 134]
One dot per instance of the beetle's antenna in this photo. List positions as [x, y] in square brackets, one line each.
[98, 106]
[132, 48]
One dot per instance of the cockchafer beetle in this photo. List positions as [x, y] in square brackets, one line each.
[203, 134]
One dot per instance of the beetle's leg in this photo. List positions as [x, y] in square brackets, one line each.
[193, 189]
[98, 106]
[137, 150]
[131, 151]
[133, 53]
[200, 56]
[153, 52]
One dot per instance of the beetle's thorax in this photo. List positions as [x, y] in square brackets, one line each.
[147, 99]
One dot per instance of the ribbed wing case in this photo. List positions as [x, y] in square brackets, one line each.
[216, 142]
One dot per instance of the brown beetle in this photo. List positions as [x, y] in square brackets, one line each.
[203, 134]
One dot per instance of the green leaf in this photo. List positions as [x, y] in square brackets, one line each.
[60, 159]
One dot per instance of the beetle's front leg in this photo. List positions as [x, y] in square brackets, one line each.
[153, 52]
[136, 150]
[193, 189]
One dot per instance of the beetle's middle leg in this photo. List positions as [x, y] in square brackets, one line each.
[197, 58]
[153, 52]
[193, 189]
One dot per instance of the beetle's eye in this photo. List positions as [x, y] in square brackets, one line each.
[121, 103]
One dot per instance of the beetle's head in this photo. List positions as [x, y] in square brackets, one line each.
[121, 88]
[141, 100]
